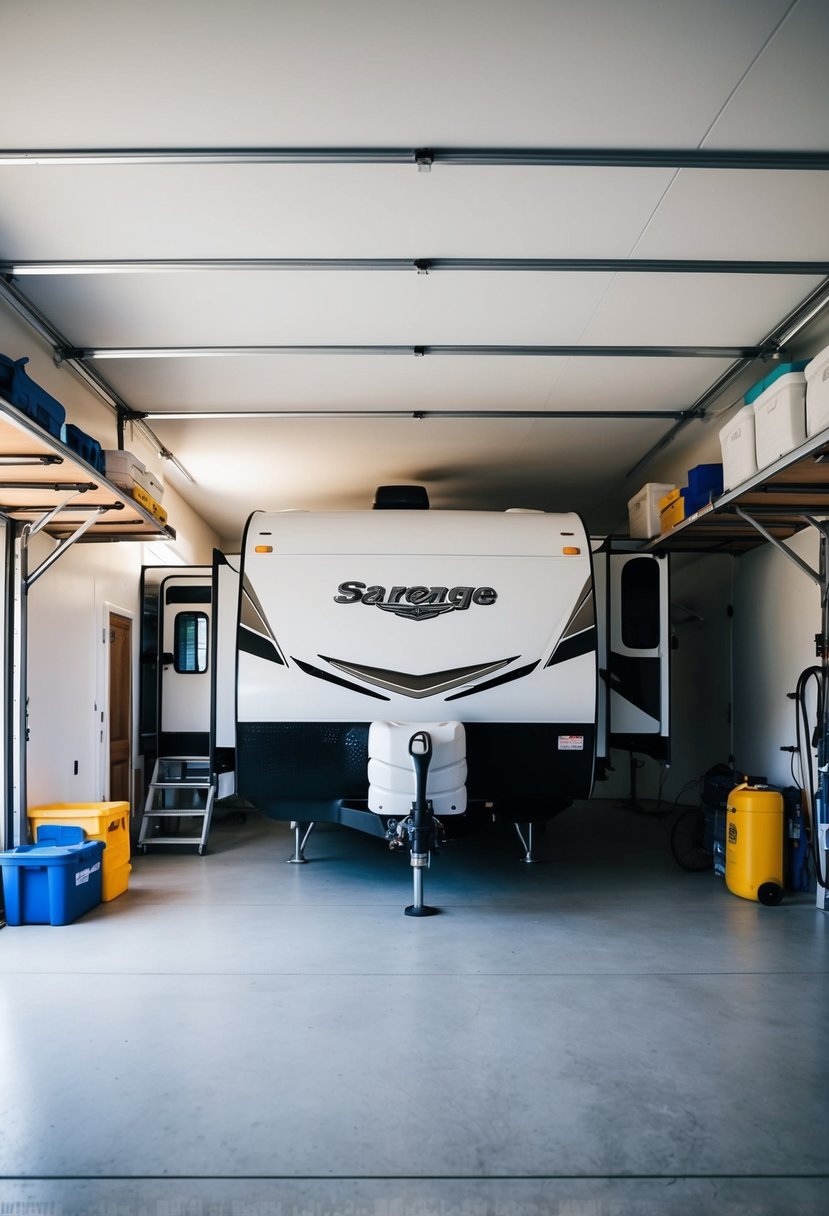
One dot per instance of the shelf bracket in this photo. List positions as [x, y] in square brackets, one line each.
[816, 576]
[64, 544]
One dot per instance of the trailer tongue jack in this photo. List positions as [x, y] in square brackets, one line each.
[421, 826]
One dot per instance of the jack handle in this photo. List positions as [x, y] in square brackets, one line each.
[420, 750]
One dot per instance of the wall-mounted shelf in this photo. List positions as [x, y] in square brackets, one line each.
[780, 498]
[39, 475]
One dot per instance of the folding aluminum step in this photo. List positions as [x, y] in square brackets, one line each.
[182, 788]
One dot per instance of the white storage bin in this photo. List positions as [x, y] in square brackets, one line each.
[643, 509]
[123, 469]
[817, 393]
[153, 485]
[739, 457]
[780, 418]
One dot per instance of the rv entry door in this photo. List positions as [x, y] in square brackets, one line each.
[637, 655]
[186, 616]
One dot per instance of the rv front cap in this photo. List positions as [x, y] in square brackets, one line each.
[449, 599]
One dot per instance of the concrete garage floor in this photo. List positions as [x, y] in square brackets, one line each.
[598, 1034]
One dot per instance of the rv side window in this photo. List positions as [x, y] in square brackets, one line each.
[640, 604]
[190, 651]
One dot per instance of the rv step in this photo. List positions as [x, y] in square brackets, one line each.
[175, 812]
[174, 840]
[177, 773]
[178, 784]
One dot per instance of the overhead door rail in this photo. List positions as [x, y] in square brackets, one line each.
[562, 351]
[424, 158]
[124, 266]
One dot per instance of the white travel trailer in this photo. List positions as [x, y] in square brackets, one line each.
[547, 647]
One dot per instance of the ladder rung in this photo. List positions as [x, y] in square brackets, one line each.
[174, 812]
[177, 785]
[172, 840]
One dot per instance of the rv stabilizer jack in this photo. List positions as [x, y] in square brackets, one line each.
[423, 821]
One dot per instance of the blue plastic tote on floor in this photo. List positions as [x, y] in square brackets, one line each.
[51, 884]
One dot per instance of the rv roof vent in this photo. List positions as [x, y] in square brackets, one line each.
[401, 498]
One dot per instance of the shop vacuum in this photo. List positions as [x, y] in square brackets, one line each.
[754, 843]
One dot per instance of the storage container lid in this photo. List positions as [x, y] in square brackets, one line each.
[782, 369]
[52, 854]
[60, 833]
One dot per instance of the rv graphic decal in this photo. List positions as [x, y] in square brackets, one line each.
[255, 635]
[416, 603]
[409, 684]
[579, 636]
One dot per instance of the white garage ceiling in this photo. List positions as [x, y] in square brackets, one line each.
[670, 82]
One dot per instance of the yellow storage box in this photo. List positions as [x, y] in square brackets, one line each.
[107, 821]
[754, 843]
[149, 504]
[671, 510]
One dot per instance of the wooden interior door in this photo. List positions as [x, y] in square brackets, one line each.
[120, 707]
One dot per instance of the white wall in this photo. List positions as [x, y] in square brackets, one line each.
[67, 666]
[67, 659]
[777, 614]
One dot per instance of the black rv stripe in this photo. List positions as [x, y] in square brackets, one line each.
[572, 647]
[255, 644]
[513, 675]
[325, 675]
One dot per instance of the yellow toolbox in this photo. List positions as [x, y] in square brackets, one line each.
[106, 821]
[671, 510]
[146, 501]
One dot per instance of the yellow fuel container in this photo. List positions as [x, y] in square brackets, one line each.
[754, 843]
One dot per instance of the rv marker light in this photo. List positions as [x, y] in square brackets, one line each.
[570, 551]
[263, 549]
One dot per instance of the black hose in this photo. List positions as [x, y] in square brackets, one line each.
[805, 745]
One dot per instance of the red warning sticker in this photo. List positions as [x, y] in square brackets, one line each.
[571, 743]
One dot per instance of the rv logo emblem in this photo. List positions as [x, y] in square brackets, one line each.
[416, 603]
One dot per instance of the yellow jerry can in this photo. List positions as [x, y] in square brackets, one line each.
[754, 843]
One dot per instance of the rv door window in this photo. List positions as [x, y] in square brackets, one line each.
[190, 646]
[640, 604]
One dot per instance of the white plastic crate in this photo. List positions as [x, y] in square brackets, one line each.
[780, 418]
[817, 393]
[123, 469]
[643, 509]
[153, 485]
[739, 456]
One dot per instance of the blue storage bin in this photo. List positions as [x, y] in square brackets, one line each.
[86, 447]
[29, 397]
[705, 481]
[51, 884]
